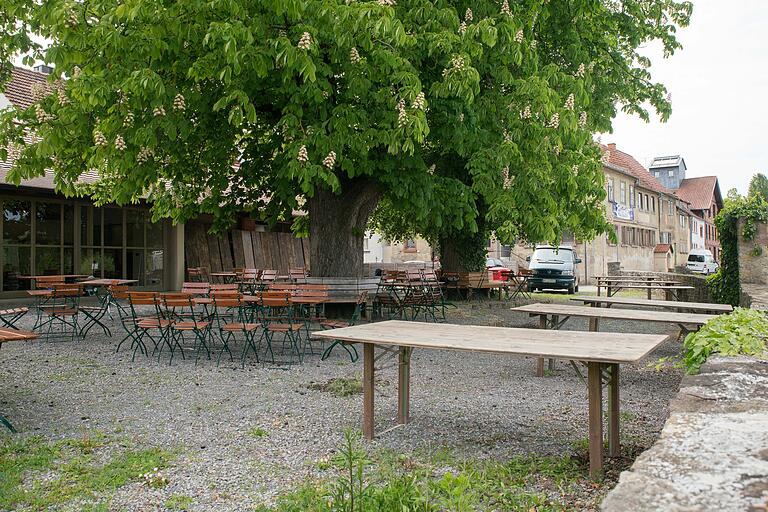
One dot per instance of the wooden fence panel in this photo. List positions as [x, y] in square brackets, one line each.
[225, 250]
[238, 251]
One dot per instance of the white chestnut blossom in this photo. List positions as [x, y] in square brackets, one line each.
[534, 44]
[159, 111]
[556, 150]
[462, 27]
[41, 115]
[99, 139]
[387, 3]
[76, 71]
[581, 71]
[72, 19]
[431, 169]
[582, 119]
[119, 143]
[505, 8]
[402, 115]
[570, 102]
[554, 121]
[179, 103]
[128, 121]
[354, 56]
[303, 155]
[305, 43]
[526, 113]
[519, 36]
[420, 102]
[330, 160]
[144, 155]
[468, 15]
[507, 179]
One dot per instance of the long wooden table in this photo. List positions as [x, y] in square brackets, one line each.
[553, 316]
[674, 305]
[669, 287]
[9, 334]
[602, 352]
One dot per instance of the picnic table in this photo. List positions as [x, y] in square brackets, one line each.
[602, 352]
[10, 334]
[614, 284]
[553, 316]
[63, 277]
[680, 306]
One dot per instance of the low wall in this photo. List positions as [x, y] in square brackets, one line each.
[700, 293]
[713, 451]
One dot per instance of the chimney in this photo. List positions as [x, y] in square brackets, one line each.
[44, 69]
[612, 146]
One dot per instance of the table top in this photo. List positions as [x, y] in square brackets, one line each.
[616, 314]
[637, 278]
[108, 282]
[223, 274]
[670, 304]
[605, 347]
[254, 299]
[642, 280]
[64, 276]
[652, 286]
[8, 334]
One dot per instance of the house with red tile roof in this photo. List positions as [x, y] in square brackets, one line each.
[647, 218]
[704, 196]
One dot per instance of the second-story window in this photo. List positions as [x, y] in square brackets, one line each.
[631, 196]
[623, 192]
[610, 190]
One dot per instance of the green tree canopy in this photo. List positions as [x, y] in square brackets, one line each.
[463, 117]
[758, 186]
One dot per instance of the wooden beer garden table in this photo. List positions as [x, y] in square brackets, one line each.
[614, 284]
[553, 316]
[674, 305]
[9, 334]
[602, 353]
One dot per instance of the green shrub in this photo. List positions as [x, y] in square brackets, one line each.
[743, 332]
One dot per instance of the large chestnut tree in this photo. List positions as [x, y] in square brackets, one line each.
[458, 117]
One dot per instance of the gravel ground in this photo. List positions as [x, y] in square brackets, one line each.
[478, 405]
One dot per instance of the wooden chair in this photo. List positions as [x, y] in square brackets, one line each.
[142, 321]
[195, 288]
[62, 311]
[230, 287]
[338, 324]
[179, 310]
[194, 274]
[297, 275]
[231, 317]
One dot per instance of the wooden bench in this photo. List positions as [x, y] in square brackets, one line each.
[9, 317]
[9, 334]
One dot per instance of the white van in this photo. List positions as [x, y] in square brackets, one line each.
[701, 261]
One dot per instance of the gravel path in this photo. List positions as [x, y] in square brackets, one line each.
[479, 405]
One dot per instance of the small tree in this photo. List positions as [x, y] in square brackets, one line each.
[758, 186]
[463, 116]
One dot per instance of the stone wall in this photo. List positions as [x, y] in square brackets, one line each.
[713, 451]
[700, 293]
[753, 256]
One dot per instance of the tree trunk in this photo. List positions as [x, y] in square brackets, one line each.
[337, 226]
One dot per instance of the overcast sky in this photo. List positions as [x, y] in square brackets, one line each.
[719, 87]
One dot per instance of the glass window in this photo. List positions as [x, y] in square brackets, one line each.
[113, 263]
[671, 174]
[623, 192]
[90, 225]
[134, 228]
[48, 225]
[69, 224]
[69, 261]
[17, 224]
[113, 227]
[90, 262]
[134, 265]
[47, 261]
[16, 262]
[610, 190]
[155, 236]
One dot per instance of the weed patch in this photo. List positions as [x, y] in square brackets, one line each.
[340, 387]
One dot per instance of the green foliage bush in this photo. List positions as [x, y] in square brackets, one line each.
[743, 332]
[724, 285]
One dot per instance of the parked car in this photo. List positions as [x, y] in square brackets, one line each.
[553, 268]
[701, 261]
[499, 271]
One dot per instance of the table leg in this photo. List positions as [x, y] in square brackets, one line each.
[595, 387]
[614, 443]
[404, 386]
[368, 390]
[540, 361]
[594, 324]
[649, 291]
[598, 288]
